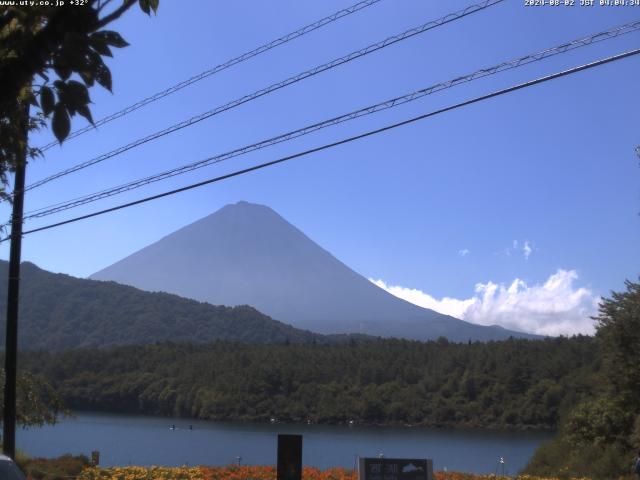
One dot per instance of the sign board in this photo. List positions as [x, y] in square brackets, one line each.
[395, 469]
[289, 457]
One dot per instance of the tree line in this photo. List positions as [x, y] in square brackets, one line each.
[514, 383]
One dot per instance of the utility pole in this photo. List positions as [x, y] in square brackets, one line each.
[11, 348]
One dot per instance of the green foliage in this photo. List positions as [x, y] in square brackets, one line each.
[559, 458]
[41, 42]
[369, 382]
[37, 402]
[619, 332]
[61, 468]
[601, 435]
[598, 422]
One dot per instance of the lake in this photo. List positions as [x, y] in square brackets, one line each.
[146, 440]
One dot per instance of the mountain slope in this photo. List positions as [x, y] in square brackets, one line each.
[59, 311]
[248, 254]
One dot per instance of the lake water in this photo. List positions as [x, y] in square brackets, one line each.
[143, 440]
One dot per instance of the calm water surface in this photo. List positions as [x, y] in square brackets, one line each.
[144, 440]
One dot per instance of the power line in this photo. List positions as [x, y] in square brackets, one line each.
[341, 142]
[223, 66]
[514, 63]
[276, 86]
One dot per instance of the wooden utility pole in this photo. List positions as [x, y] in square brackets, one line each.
[11, 348]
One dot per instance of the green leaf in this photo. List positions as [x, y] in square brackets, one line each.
[77, 93]
[103, 77]
[47, 100]
[87, 77]
[154, 5]
[73, 95]
[62, 69]
[72, 51]
[144, 6]
[110, 38]
[60, 124]
[93, 65]
[86, 113]
[100, 46]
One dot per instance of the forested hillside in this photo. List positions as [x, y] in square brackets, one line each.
[58, 311]
[600, 437]
[515, 383]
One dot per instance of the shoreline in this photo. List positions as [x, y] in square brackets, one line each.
[267, 422]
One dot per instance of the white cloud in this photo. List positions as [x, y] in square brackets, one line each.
[525, 247]
[555, 307]
[446, 305]
[464, 252]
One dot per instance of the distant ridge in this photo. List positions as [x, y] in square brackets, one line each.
[58, 311]
[247, 254]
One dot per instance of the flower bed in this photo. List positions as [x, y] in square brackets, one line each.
[234, 472]
[143, 473]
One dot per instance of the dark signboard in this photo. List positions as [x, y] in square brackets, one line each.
[395, 469]
[289, 457]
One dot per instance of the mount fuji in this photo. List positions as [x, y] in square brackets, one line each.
[247, 254]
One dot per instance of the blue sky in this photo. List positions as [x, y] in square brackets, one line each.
[437, 207]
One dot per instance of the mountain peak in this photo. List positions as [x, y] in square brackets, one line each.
[242, 210]
[243, 204]
[247, 254]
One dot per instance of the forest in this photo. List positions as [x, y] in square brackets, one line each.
[59, 311]
[514, 383]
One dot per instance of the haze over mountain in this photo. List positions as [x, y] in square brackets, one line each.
[58, 311]
[247, 254]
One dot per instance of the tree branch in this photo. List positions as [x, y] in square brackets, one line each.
[115, 14]
[102, 5]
